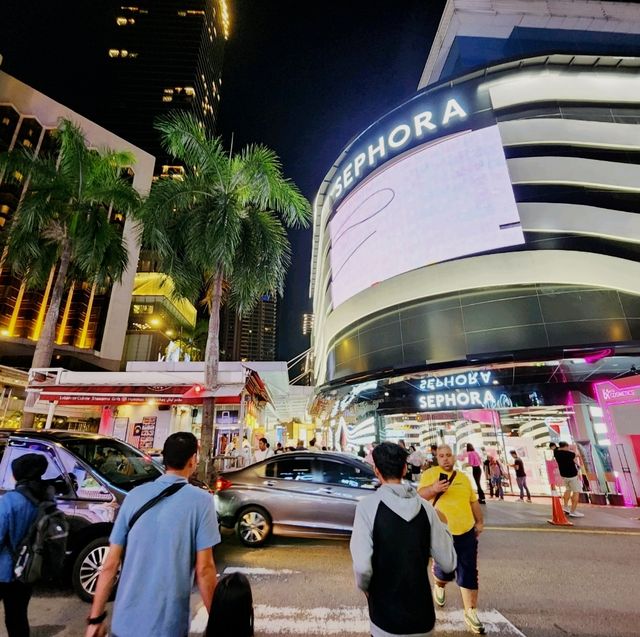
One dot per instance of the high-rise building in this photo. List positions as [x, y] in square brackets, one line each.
[161, 56]
[93, 319]
[140, 60]
[307, 324]
[252, 337]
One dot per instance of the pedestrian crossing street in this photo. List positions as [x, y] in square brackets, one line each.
[349, 620]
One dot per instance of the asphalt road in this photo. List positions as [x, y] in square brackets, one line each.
[537, 582]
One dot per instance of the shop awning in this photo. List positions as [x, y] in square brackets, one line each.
[133, 394]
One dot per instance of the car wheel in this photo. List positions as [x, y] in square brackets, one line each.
[253, 526]
[87, 567]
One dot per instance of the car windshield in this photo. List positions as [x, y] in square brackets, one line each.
[117, 462]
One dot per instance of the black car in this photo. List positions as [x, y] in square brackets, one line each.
[91, 475]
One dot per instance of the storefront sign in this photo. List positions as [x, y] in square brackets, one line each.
[465, 399]
[619, 391]
[403, 128]
[465, 379]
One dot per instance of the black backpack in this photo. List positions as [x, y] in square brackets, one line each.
[42, 551]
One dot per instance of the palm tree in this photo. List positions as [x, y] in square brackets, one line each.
[62, 222]
[221, 228]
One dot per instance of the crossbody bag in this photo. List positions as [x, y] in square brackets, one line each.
[165, 493]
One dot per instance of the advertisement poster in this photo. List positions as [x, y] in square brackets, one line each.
[147, 433]
[120, 426]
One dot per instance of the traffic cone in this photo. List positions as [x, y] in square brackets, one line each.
[559, 518]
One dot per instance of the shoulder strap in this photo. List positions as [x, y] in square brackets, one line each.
[165, 493]
[450, 480]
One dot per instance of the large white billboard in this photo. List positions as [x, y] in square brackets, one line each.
[438, 202]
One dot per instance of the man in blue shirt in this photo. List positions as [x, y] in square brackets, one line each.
[164, 548]
[17, 514]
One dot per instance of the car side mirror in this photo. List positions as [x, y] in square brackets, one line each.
[60, 486]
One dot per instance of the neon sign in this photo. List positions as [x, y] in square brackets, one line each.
[465, 399]
[416, 127]
[462, 380]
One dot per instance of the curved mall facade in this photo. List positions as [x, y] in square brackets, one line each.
[476, 269]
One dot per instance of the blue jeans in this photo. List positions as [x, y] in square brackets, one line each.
[497, 486]
[522, 485]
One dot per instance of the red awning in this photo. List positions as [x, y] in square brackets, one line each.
[132, 394]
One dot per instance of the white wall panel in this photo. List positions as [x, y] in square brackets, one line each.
[588, 87]
[575, 171]
[573, 132]
[583, 220]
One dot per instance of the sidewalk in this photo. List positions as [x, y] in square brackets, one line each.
[513, 513]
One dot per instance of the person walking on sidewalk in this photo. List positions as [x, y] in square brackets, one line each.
[521, 476]
[496, 472]
[166, 546]
[394, 534]
[475, 462]
[453, 496]
[568, 468]
[17, 514]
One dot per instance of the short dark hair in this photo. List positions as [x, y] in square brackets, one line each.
[266, 442]
[513, 452]
[563, 444]
[178, 448]
[470, 447]
[232, 608]
[390, 460]
[552, 445]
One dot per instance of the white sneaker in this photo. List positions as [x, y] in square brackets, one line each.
[566, 509]
[576, 514]
[439, 595]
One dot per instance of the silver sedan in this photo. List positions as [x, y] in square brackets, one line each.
[299, 493]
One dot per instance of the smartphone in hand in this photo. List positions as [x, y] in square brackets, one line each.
[443, 476]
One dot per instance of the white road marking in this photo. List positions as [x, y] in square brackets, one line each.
[258, 571]
[349, 621]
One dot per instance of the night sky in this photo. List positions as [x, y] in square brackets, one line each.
[304, 78]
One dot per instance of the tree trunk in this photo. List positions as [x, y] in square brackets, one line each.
[44, 347]
[211, 361]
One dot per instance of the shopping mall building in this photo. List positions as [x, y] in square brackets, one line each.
[476, 261]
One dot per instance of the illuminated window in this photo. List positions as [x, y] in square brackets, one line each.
[4, 209]
[182, 14]
[124, 53]
[6, 121]
[142, 309]
[168, 91]
[27, 143]
[114, 53]
[190, 91]
[123, 22]
[167, 98]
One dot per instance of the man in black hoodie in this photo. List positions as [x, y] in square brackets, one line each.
[17, 514]
[394, 533]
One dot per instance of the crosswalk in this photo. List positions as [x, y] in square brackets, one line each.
[347, 620]
[285, 620]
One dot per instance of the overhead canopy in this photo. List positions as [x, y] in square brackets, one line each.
[118, 395]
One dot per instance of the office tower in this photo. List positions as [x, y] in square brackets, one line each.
[137, 61]
[162, 56]
[252, 337]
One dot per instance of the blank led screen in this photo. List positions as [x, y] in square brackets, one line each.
[442, 201]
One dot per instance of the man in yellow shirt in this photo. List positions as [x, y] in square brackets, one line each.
[451, 494]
